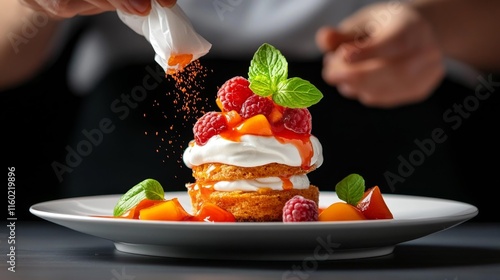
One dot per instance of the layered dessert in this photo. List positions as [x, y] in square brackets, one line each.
[251, 159]
[254, 155]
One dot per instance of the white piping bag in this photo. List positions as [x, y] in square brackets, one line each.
[171, 35]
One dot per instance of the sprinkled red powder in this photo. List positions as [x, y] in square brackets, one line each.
[186, 103]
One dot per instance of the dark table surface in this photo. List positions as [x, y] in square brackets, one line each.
[48, 251]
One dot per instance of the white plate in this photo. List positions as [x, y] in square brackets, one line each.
[414, 217]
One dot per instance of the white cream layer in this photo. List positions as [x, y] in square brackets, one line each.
[298, 182]
[250, 151]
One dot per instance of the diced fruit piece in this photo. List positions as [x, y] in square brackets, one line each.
[276, 114]
[168, 210]
[208, 125]
[145, 203]
[210, 212]
[255, 105]
[256, 125]
[300, 209]
[373, 205]
[233, 118]
[298, 120]
[233, 93]
[219, 104]
[341, 211]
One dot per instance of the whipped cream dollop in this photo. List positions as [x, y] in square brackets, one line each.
[250, 151]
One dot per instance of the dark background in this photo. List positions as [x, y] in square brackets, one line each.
[42, 118]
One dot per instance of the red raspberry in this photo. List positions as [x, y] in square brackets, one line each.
[233, 93]
[255, 105]
[298, 120]
[210, 124]
[300, 209]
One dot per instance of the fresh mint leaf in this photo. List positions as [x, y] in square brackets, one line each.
[149, 188]
[260, 85]
[267, 68]
[153, 189]
[351, 189]
[268, 76]
[297, 93]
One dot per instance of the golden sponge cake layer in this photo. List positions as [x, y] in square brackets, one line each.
[223, 172]
[264, 205]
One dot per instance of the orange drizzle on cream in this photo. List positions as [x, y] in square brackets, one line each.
[287, 184]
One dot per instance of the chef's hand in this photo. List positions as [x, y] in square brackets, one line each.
[71, 8]
[385, 55]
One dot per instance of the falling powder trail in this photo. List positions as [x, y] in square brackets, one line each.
[185, 103]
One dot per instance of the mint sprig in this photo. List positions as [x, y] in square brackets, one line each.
[351, 189]
[268, 76]
[149, 188]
